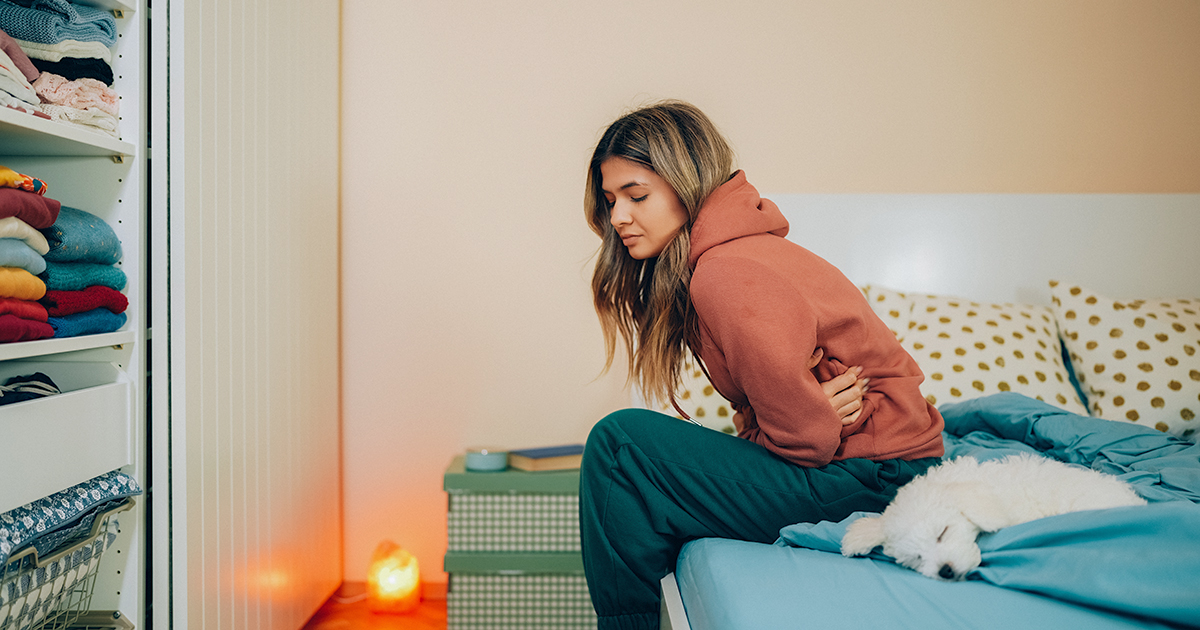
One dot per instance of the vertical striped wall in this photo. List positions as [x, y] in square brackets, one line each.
[255, 471]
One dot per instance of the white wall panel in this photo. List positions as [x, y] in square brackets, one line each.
[254, 432]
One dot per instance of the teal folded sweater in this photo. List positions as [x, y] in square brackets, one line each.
[79, 276]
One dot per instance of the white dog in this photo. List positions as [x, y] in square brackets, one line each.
[932, 524]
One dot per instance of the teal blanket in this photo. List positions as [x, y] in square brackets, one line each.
[1142, 561]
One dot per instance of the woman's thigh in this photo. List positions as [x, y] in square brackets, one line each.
[695, 482]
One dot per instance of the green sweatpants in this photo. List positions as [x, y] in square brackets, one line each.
[650, 483]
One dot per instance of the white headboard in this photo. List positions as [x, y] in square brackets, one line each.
[1005, 247]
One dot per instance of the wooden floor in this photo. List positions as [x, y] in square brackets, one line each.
[348, 609]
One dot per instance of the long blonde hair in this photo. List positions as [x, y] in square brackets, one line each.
[646, 302]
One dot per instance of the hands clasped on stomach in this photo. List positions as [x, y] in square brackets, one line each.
[844, 391]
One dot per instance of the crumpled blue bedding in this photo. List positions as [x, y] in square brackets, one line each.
[1142, 561]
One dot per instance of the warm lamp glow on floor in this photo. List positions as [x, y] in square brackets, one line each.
[393, 580]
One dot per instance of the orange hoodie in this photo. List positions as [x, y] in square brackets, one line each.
[764, 306]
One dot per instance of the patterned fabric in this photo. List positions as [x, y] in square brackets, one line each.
[1137, 360]
[89, 119]
[970, 349]
[79, 236]
[81, 93]
[511, 602]
[513, 523]
[52, 21]
[21, 388]
[21, 527]
[30, 596]
[12, 179]
[696, 396]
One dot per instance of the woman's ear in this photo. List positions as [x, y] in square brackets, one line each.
[862, 536]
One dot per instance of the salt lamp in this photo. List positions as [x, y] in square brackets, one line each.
[393, 580]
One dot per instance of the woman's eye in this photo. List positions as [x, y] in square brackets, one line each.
[639, 199]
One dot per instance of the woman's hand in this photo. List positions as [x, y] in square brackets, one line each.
[845, 393]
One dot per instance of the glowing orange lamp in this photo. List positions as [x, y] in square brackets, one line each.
[393, 580]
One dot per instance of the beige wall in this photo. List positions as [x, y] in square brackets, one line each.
[467, 317]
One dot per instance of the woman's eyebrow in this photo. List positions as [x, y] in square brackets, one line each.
[629, 185]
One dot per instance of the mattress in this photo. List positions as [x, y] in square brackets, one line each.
[729, 584]
[1131, 567]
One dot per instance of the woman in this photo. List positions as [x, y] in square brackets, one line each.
[694, 260]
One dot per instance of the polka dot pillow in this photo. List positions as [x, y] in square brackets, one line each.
[700, 400]
[970, 349]
[893, 307]
[1137, 360]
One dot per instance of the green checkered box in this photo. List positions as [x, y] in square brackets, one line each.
[513, 554]
[509, 602]
[512, 511]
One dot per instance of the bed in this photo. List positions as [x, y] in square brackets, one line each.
[1065, 325]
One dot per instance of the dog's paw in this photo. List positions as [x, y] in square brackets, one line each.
[862, 536]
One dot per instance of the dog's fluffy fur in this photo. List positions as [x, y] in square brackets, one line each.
[932, 524]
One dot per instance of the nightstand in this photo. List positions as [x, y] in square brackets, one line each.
[513, 554]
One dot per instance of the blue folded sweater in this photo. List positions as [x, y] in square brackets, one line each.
[79, 236]
[52, 21]
[79, 276]
[93, 322]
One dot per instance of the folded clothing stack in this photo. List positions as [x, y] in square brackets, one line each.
[82, 282]
[24, 211]
[56, 61]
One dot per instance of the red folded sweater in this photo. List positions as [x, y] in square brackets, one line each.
[38, 211]
[60, 303]
[25, 309]
[13, 328]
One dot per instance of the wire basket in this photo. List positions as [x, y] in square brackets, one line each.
[53, 593]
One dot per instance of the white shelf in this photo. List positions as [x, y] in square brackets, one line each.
[112, 5]
[43, 347]
[26, 134]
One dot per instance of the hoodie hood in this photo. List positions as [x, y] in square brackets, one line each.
[732, 211]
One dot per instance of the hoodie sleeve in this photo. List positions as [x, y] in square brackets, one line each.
[765, 331]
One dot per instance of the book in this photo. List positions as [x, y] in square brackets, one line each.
[564, 457]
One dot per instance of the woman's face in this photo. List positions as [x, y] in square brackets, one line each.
[643, 207]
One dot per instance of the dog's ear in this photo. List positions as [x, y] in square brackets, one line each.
[979, 504]
[862, 536]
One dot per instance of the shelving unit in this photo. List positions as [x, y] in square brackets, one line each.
[99, 423]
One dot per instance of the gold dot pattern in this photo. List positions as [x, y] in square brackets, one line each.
[893, 307]
[700, 400]
[1137, 360]
[971, 349]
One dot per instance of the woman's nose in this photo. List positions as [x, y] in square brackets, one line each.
[618, 216]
